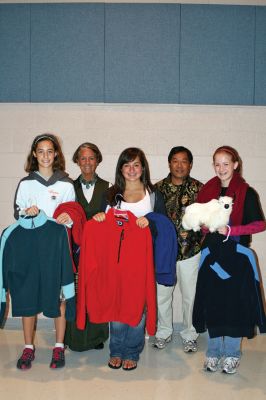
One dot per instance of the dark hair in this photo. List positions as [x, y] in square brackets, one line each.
[59, 161]
[129, 154]
[232, 153]
[90, 146]
[180, 149]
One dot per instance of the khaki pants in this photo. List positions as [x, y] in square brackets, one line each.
[187, 272]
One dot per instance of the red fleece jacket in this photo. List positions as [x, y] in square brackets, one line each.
[77, 214]
[116, 273]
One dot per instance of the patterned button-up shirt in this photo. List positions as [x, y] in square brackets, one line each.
[177, 198]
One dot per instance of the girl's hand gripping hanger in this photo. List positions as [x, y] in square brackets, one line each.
[118, 213]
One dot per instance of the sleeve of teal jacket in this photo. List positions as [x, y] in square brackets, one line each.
[68, 287]
[2, 279]
[4, 270]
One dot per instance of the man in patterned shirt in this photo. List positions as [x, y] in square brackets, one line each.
[180, 190]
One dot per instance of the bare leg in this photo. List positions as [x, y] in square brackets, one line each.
[28, 324]
[60, 324]
[58, 357]
[27, 356]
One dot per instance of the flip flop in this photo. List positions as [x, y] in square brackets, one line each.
[110, 365]
[130, 368]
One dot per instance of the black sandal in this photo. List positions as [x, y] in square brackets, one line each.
[130, 368]
[110, 365]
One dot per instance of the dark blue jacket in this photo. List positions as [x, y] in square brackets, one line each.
[165, 248]
[228, 300]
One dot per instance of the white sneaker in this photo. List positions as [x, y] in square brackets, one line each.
[161, 343]
[230, 365]
[190, 346]
[211, 364]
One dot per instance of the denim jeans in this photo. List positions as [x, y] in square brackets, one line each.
[224, 346]
[126, 341]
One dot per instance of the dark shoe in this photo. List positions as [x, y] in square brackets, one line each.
[99, 346]
[24, 362]
[131, 364]
[115, 363]
[58, 358]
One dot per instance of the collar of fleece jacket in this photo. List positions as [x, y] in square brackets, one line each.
[33, 222]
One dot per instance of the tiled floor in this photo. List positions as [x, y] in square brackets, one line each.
[161, 374]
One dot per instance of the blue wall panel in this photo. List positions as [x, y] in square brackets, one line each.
[217, 54]
[155, 53]
[260, 61]
[14, 53]
[142, 53]
[67, 52]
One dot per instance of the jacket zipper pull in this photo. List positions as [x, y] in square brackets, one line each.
[120, 242]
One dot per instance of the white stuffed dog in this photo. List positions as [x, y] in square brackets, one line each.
[213, 214]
